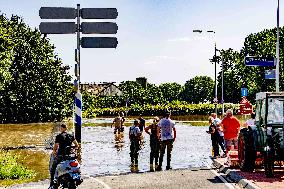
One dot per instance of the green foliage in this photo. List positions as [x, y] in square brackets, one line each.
[171, 91]
[176, 108]
[11, 169]
[34, 82]
[198, 90]
[237, 75]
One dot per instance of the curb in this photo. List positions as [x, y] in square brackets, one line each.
[232, 175]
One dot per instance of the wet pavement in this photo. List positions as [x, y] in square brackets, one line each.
[104, 153]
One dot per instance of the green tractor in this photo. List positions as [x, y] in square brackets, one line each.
[266, 138]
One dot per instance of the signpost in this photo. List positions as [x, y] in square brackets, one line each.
[255, 61]
[84, 42]
[270, 74]
[57, 27]
[99, 27]
[244, 91]
[57, 13]
[99, 42]
[99, 13]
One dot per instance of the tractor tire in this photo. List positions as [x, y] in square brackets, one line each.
[246, 151]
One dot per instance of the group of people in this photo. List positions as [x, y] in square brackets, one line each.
[162, 135]
[224, 133]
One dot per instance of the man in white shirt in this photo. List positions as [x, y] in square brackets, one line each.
[167, 135]
[251, 121]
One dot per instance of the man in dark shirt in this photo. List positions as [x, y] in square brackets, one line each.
[214, 137]
[141, 123]
[63, 142]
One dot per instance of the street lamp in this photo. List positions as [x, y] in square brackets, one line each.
[277, 51]
[215, 60]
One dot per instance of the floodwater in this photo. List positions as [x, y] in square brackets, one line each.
[104, 153]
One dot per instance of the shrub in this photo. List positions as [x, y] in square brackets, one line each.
[11, 169]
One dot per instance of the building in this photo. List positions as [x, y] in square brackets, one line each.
[102, 89]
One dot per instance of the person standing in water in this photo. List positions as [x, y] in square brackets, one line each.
[154, 143]
[117, 122]
[134, 137]
[167, 134]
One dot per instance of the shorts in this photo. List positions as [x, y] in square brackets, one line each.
[231, 142]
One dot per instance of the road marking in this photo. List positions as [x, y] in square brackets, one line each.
[229, 185]
[102, 183]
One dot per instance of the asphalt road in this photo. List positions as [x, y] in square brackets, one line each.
[173, 179]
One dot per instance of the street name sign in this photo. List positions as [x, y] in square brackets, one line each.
[270, 74]
[99, 42]
[255, 61]
[99, 13]
[99, 28]
[57, 13]
[244, 91]
[57, 27]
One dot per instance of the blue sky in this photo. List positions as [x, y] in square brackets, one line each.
[155, 36]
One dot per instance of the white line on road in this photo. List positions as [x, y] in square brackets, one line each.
[100, 182]
[229, 185]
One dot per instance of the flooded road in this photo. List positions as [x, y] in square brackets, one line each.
[104, 153]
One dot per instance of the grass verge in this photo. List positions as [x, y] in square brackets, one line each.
[21, 166]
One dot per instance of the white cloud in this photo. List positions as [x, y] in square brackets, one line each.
[188, 39]
[169, 58]
[151, 62]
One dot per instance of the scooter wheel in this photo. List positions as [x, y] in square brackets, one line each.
[72, 185]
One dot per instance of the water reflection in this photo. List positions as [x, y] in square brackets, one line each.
[119, 141]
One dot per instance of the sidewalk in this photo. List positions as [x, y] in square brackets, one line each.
[254, 180]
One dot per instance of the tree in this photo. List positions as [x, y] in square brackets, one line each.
[171, 91]
[198, 90]
[38, 86]
[237, 74]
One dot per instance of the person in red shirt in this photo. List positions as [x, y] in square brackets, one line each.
[231, 128]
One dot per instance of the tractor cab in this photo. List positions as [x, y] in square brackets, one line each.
[266, 138]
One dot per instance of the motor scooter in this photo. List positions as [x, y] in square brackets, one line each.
[67, 173]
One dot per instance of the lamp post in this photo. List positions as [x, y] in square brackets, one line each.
[215, 61]
[277, 51]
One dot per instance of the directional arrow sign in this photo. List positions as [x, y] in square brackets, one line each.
[99, 27]
[99, 13]
[99, 42]
[57, 27]
[57, 13]
[255, 61]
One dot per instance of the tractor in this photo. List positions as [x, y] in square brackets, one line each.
[265, 140]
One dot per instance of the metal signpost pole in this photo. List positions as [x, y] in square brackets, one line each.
[215, 79]
[78, 96]
[222, 89]
[277, 51]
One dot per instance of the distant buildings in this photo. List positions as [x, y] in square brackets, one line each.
[108, 88]
[101, 89]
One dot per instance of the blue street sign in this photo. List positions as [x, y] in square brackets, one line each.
[270, 74]
[255, 61]
[244, 91]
